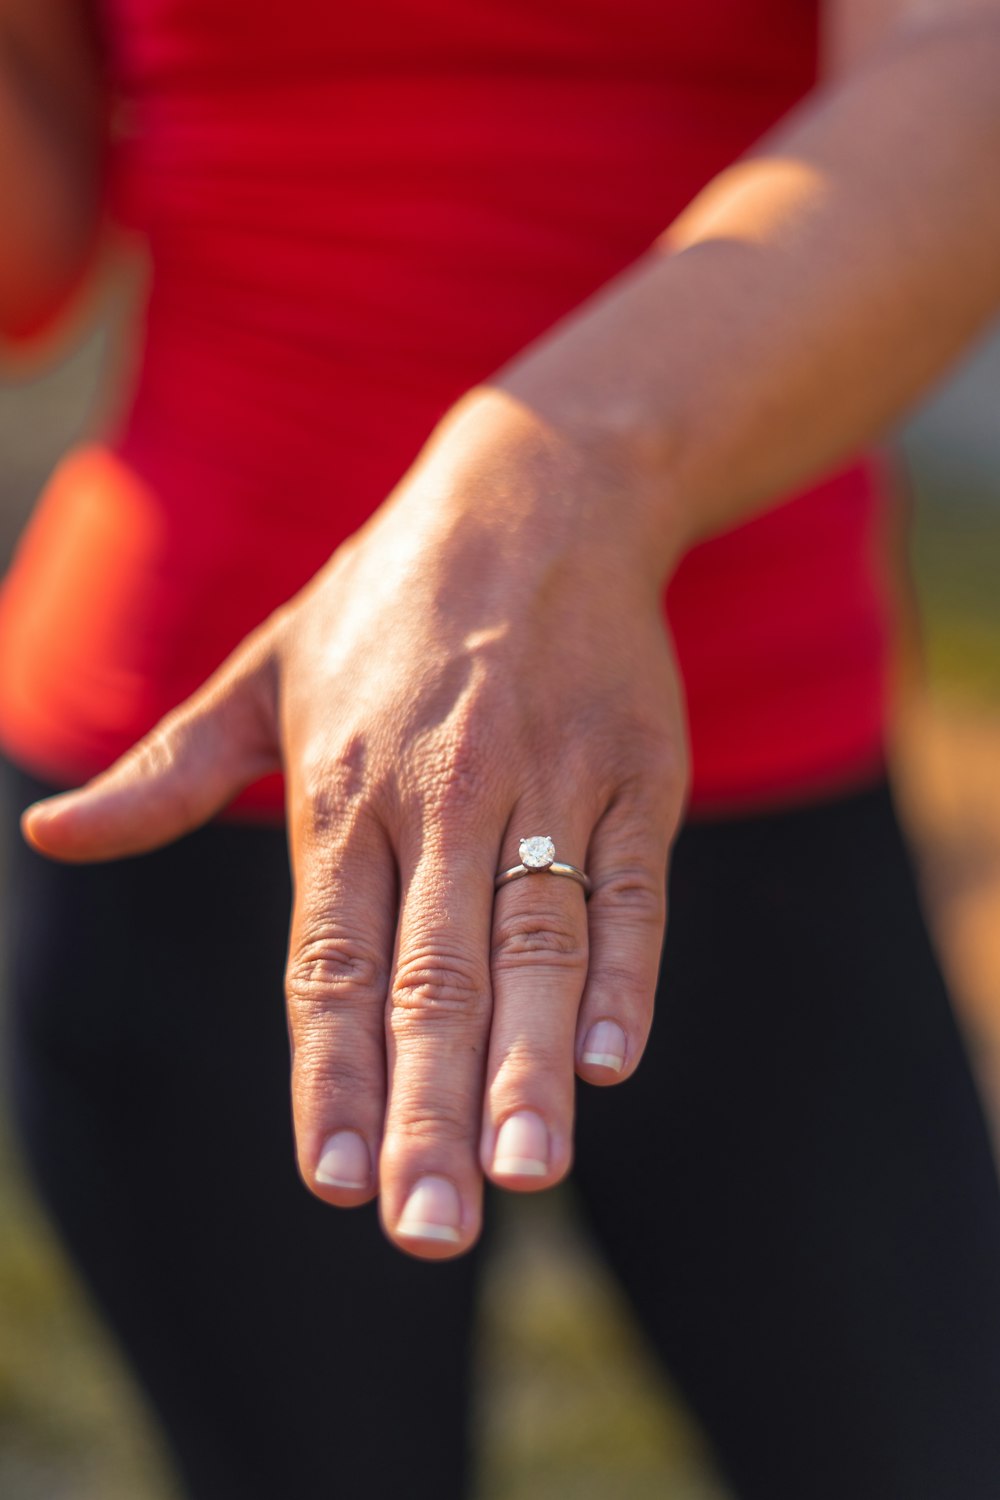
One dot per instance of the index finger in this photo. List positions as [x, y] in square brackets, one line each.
[339, 956]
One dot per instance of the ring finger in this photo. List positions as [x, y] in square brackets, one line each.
[539, 967]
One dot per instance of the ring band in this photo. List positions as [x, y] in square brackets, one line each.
[538, 857]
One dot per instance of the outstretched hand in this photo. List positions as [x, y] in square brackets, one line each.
[484, 660]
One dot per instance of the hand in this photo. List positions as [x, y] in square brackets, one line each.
[486, 659]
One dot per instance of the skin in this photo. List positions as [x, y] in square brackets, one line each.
[486, 659]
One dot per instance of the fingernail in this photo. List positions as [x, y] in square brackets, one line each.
[605, 1046]
[433, 1211]
[522, 1148]
[344, 1161]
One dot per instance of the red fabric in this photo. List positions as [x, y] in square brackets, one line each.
[354, 213]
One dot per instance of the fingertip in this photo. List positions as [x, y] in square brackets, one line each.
[63, 827]
[339, 1196]
[37, 824]
[524, 1177]
[431, 1250]
[432, 1244]
[104, 821]
[30, 819]
[601, 1074]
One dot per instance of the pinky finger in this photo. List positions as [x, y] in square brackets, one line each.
[629, 850]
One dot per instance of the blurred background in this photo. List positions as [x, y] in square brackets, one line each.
[570, 1404]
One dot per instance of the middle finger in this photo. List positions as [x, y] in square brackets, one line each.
[437, 1029]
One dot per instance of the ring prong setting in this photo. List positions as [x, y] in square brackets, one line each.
[537, 852]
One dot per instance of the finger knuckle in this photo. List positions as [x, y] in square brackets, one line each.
[527, 1065]
[438, 1119]
[457, 770]
[321, 806]
[332, 779]
[322, 1071]
[530, 936]
[661, 765]
[634, 765]
[333, 968]
[590, 764]
[438, 984]
[627, 982]
[636, 891]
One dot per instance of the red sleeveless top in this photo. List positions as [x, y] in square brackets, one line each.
[354, 213]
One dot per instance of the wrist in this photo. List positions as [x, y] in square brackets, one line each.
[536, 477]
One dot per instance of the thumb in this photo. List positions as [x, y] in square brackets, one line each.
[187, 768]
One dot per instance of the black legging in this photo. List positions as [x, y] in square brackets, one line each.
[796, 1190]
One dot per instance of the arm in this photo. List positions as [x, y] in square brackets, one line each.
[51, 138]
[455, 678]
[811, 293]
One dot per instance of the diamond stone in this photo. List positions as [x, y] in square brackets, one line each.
[537, 853]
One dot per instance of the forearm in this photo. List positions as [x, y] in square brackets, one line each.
[804, 299]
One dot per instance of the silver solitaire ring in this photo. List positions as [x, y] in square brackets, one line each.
[538, 857]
